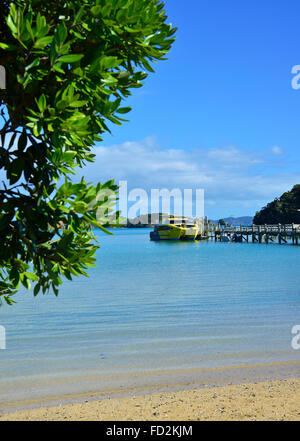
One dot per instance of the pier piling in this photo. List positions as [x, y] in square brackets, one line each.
[282, 234]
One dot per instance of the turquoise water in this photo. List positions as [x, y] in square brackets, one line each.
[153, 306]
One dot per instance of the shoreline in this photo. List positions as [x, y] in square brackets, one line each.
[140, 389]
[268, 400]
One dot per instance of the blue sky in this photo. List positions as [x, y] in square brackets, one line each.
[220, 114]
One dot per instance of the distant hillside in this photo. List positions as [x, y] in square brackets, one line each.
[283, 210]
[243, 220]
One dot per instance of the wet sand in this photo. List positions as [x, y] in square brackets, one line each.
[269, 400]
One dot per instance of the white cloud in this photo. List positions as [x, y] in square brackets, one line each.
[231, 177]
[233, 156]
[235, 181]
[277, 150]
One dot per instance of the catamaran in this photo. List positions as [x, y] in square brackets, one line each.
[175, 228]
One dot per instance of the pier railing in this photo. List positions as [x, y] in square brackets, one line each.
[251, 229]
[254, 233]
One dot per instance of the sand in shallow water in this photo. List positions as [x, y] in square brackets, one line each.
[274, 400]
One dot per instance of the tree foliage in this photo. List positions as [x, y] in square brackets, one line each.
[283, 210]
[69, 66]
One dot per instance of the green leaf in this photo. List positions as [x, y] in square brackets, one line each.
[68, 156]
[36, 289]
[70, 58]
[62, 32]
[41, 43]
[16, 170]
[78, 103]
[96, 10]
[80, 207]
[22, 141]
[11, 25]
[26, 283]
[124, 110]
[31, 276]
[35, 63]
[8, 47]
[109, 62]
[42, 103]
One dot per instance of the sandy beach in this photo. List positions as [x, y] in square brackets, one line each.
[272, 400]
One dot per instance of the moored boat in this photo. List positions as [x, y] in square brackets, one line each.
[177, 228]
[166, 232]
[226, 238]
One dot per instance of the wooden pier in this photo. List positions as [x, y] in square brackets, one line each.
[281, 234]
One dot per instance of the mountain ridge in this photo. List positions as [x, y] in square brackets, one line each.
[242, 220]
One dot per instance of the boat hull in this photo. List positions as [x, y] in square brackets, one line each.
[166, 232]
[174, 232]
[190, 234]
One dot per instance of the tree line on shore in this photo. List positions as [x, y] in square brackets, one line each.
[282, 210]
